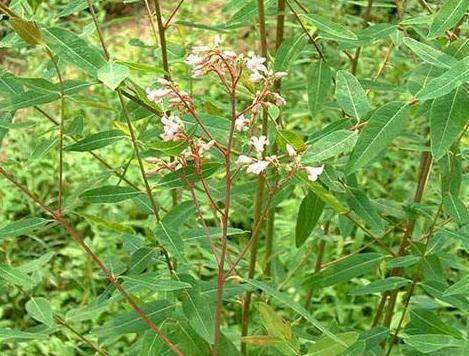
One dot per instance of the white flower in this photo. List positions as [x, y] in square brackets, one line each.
[314, 172]
[242, 159]
[204, 147]
[172, 127]
[255, 64]
[291, 151]
[163, 81]
[259, 142]
[193, 60]
[157, 95]
[256, 77]
[198, 49]
[241, 123]
[257, 167]
[279, 75]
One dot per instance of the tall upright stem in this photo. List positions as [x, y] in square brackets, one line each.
[162, 37]
[259, 191]
[269, 238]
[225, 221]
[133, 137]
[425, 164]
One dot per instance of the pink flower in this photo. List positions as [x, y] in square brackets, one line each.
[193, 60]
[255, 64]
[259, 143]
[257, 167]
[241, 123]
[279, 100]
[157, 95]
[173, 127]
[314, 172]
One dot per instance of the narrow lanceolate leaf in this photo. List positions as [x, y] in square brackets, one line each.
[448, 116]
[43, 148]
[40, 309]
[361, 205]
[74, 49]
[331, 27]
[21, 227]
[428, 343]
[345, 270]
[97, 140]
[290, 303]
[199, 311]
[310, 211]
[170, 239]
[456, 208]
[155, 283]
[460, 287]
[430, 54]
[7, 334]
[319, 85]
[109, 194]
[327, 346]
[337, 142]
[288, 52]
[386, 284]
[448, 16]
[446, 82]
[15, 276]
[350, 95]
[29, 31]
[383, 127]
[131, 322]
[112, 74]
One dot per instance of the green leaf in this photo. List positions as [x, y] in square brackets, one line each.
[403, 261]
[73, 49]
[154, 283]
[247, 12]
[350, 95]
[310, 211]
[97, 140]
[318, 86]
[362, 206]
[285, 137]
[427, 322]
[337, 142]
[290, 303]
[29, 31]
[448, 17]
[326, 196]
[43, 147]
[385, 124]
[428, 343]
[170, 239]
[21, 227]
[385, 284]
[72, 7]
[345, 270]
[448, 116]
[430, 54]
[15, 276]
[113, 74]
[199, 311]
[40, 309]
[460, 287]
[331, 27]
[175, 180]
[168, 148]
[109, 194]
[131, 322]
[327, 346]
[287, 53]
[456, 208]
[7, 334]
[446, 82]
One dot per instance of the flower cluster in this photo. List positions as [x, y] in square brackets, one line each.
[229, 67]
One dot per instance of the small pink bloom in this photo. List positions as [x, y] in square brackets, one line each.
[242, 159]
[291, 151]
[241, 123]
[259, 143]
